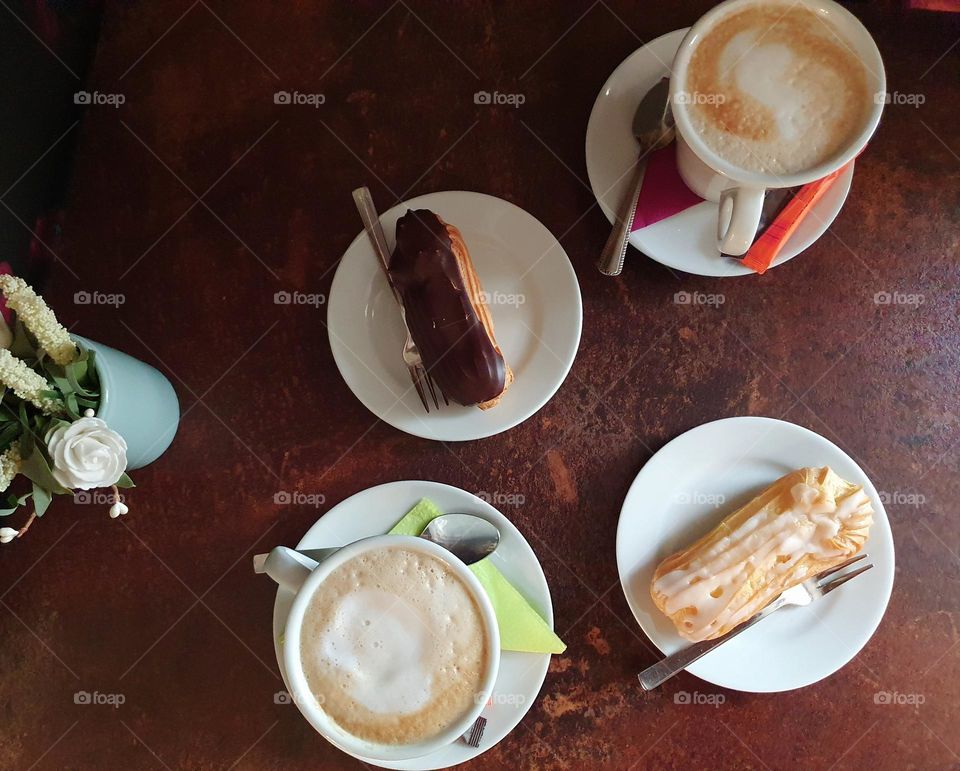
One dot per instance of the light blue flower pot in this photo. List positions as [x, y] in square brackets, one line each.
[137, 402]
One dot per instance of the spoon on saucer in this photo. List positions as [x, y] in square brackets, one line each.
[466, 536]
[469, 537]
[653, 128]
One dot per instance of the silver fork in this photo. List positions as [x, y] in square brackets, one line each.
[418, 373]
[411, 354]
[809, 591]
[475, 732]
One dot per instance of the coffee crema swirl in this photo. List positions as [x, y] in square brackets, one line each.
[393, 646]
[775, 88]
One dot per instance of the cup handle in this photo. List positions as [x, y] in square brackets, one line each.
[740, 210]
[288, 567]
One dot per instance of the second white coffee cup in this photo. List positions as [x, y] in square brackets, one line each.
[740, 192]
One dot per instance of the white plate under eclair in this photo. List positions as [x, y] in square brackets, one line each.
[533, 297]
[689, 486]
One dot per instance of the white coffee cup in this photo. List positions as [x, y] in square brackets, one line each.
[310, 577]
[740, 192]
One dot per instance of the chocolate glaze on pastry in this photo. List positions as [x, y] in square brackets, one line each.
[444, 310]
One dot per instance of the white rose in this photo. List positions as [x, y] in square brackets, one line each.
[86, 454]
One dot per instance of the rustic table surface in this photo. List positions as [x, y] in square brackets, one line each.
[199, 198]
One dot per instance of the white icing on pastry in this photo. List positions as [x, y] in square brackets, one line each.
[762, 549]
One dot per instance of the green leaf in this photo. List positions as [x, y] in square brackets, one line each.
[27, 443]
[10, 410]
[22, 346]
[62, 383]
[8, 434]
[125, 481]
[35, 468]
[75, 373]
[92, 381]
[41, 499]
[13, 503]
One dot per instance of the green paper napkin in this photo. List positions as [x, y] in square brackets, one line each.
[521, 627]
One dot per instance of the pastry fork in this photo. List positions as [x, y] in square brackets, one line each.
[411, 354]
[809, 591]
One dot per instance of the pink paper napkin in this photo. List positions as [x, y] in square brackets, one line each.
[663, 193]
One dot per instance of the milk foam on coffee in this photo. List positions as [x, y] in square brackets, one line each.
[775, 88]
[393, 646]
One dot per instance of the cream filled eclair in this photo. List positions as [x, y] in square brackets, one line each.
[806, 522]
[445, 310]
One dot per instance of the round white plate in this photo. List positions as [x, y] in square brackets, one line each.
[534, 299]
[375, 511]
[687, 240]
[686, 489]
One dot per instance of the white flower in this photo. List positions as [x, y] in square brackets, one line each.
[9, 465]
[16, 375]
[86, 454]
[39, 319]
[7, 534]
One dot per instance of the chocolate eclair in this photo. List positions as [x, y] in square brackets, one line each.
[445, 310]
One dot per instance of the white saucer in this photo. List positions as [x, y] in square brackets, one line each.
[535, 304]
[687, 240]
[673, 501]
[377, 509]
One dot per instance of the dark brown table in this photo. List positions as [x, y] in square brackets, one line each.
[199, 198]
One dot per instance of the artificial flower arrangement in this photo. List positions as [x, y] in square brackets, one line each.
[49, 432]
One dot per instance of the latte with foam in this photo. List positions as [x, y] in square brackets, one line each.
[775, 88]
[394, 647]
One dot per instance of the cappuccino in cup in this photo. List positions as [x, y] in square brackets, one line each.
[394, 647]
[770, 94]
[775, 88]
